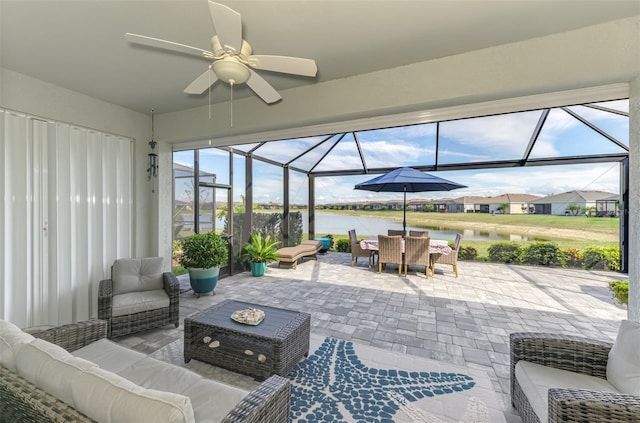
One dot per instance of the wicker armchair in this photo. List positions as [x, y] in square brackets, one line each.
[419, 233]
[390, 251]
[416, 251]
[574, 354]
[451, 258]
[139, 296]
[357, 250]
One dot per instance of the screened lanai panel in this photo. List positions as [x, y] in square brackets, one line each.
[311, 158]
[613, 124]
[401, 146]
[565, 136]
[286, 150]
[214, 166]
[619, 105]
[488, 138]
[267, 183]
[298, 189]
[245, 147]
[344, 156]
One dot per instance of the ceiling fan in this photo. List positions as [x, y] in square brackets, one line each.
[232, 58]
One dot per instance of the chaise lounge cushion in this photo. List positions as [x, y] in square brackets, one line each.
[623, 366]
[536, 380]
[11, 339]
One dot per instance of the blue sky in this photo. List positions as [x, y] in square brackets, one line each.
[501, 137]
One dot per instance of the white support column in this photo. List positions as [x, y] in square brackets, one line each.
[634, 200]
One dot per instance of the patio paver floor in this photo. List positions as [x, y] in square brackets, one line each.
[464, 321]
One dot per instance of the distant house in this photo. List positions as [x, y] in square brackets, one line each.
[557, 204]
[515, 203]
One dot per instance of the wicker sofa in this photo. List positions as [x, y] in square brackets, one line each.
[103, 381]
[561, 378]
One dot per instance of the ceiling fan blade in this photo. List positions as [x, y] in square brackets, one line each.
[167, 45]
[284, 64]
[227, 24]
[202, 83]
[262, 88]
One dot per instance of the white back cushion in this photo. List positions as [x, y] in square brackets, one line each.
[109, 398]
[12, 338]
[623, 366]
[137, 274]
[50, 368]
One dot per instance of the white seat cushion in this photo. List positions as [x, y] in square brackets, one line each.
[136, 302]
[11, 339]
[623, 365]
[109, 398]
[155, 374]
[535, 381]
[51, 368]
[109, 355]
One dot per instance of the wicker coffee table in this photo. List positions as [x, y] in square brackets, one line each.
[274, 346]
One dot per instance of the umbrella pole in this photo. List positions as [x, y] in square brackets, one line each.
[404, 212]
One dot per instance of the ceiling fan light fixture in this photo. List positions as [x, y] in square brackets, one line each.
[231, 71]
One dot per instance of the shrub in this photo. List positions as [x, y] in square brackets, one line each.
[544, 254]
[467, 253]
[505, 252]
[604, 258]
[343, 246]
[620, 290]
[574, 257]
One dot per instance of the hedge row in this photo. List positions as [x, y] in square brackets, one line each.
[540, 253]
[549, 254]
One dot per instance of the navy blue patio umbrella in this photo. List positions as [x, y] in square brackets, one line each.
[408, 179]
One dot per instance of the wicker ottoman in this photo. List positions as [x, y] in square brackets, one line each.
[274, 346]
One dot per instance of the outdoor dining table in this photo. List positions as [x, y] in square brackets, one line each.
[436, 246]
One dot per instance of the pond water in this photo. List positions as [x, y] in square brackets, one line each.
[328, 223]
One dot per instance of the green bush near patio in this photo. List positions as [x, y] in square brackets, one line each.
[467, 253]
[601, 258]
[544, 254]
[620, 290]
[505, 252]
[574, 257]
[343, 246]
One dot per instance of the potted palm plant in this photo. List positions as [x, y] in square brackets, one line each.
[203, 255]
[260, 251]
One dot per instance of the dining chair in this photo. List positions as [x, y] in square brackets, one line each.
[390, 251]
[416, 252]
[451, 258]
[394, 232]
[357, 250]
[419, 233]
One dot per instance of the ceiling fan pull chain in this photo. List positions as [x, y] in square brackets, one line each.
[232, 103]
[210, 83]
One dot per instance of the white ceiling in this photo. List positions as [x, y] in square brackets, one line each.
[80, 45]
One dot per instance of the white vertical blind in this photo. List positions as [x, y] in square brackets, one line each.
[67, 215]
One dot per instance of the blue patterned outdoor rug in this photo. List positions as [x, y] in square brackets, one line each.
[352, 383]
[334, 385]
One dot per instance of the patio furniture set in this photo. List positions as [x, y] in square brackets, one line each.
[74, 373]
[416, 248]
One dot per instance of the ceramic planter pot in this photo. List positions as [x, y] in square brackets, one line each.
[258, 269]
[203, 281]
